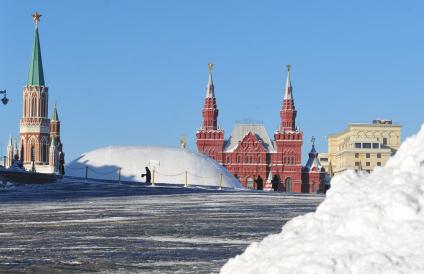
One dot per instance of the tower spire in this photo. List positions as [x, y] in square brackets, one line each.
[210, 87]
[36, 74]
[288, 89]
[55, 116]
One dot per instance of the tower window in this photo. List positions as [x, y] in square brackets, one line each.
[357, 145]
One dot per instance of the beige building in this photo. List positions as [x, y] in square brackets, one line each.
[363, 146]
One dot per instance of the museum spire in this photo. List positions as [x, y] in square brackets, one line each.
[288, 89]
[210, 87]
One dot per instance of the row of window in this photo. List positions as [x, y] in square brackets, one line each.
[367, 163]
[368, 155]
[371, 145]
[30, 107]
[251, 160]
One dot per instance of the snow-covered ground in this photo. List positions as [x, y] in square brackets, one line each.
[77, 226]
[367, 224]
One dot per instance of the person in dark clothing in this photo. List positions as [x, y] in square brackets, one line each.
[148, 176]
[259, 183]
[275, 183]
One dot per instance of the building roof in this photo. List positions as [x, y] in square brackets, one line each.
[36, 74]
[241, 130]
[370, 125]
[313, 160]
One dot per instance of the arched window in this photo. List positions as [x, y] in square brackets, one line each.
[288, 184]
[34, 107]
[42, 106]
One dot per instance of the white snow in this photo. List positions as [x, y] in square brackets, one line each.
[367, 224]
[171, 166]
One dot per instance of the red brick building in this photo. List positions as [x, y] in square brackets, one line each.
[314, 176]
[249, 151]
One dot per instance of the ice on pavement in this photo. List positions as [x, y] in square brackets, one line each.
[367, 224]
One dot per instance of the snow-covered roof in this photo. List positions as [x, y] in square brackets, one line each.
[241, 130]
[313, 160]
[170, 164]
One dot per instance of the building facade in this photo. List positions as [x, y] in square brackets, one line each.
[40, 147]
[249, 152]
[314, 176]
[363, 146]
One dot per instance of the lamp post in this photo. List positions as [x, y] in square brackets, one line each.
[4, 100]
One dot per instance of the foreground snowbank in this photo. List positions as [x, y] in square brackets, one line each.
[367, 224]
[172, 165]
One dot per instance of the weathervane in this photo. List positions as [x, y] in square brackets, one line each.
[288, 67]
[313, 140]
[210, 65]
[36, 17]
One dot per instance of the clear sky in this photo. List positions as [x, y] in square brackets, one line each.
[134, 72]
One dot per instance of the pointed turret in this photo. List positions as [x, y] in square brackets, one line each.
[9, 152]
[210, 88]
[288, 89]
[36, 74]
[55, 124]
[288, 111]
[55, 117]
[210, 109]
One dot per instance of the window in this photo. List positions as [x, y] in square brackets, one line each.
[238, 158]
[367, 163]
[366, 145]
[384, 141]
[357, 145]
[378, 163]
[374, 145]
[356, 155]
[379, 155]
[324, 159]
[356, 163]
[367, 155]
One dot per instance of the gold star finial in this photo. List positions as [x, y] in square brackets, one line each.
[288, 67]
[210, 65]
[36, 17]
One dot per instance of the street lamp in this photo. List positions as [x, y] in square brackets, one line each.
[4, 100]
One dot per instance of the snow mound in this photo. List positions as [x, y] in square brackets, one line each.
[367, 224]
[171, 166]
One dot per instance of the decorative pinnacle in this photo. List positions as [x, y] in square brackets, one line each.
[36, 17]
[210, 65]
[288, 67]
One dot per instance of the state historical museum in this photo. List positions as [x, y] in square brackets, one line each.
[249, 151]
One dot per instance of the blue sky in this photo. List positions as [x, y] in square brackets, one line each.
[134, 72]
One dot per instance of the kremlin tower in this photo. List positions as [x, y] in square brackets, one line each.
[40, 144]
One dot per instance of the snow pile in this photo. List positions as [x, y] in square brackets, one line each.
[171, 165]
[367, 224]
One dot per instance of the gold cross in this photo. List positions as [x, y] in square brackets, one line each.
[288, 67]
[36, 17]
[210, 65]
